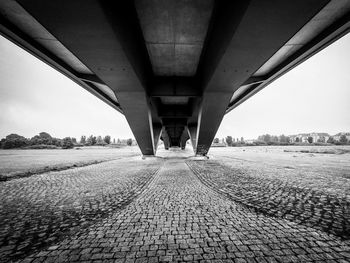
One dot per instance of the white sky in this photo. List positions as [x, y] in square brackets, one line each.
[315, 96]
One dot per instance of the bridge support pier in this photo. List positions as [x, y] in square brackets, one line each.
[211, 114]
[184, 138]
[165, 139]
[157, 130]
[192, 133]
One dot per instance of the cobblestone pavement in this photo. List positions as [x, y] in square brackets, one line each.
[177, 218]
[275, 196]
[42, 209]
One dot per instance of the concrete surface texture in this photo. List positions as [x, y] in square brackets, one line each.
[169, 208]
[174, 47]
[174, 68]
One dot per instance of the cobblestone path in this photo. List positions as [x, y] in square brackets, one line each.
[294, 201]
[177, 218]
[42, 209]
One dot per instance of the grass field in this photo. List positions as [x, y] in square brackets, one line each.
[312, 163]
[27, 162]
[325, 167]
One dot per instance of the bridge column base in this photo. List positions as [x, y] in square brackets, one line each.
[199, 157]
[148, 156]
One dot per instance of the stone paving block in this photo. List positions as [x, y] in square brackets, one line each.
[294, 201]
[39, 210]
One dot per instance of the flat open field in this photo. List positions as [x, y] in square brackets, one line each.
[326, 167]
[26, 162]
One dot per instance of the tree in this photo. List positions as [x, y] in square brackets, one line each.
[13, 141]
[310, 139]
[265, 138]
[83, 139]
[242, 140]
[216, 140]
[229, 140]
[56, 142]
[282, 139]
[107, 139]
[343, 139]
[297, 139]
[274, 138]
[74, 140]
[331, 140]
[129, 142]
[113, 140]
[45, 138]
[36, 140]
[100, 141]
[91, 140]
[67, 143]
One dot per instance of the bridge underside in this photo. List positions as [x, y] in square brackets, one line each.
[174, 68]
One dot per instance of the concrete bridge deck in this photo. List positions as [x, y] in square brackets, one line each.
[149, 211]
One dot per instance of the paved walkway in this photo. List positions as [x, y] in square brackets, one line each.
[177, 218]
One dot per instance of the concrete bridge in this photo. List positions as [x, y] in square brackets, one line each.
[174, 68]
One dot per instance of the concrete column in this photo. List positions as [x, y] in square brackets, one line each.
[184, 138]
[166, 143]
[211, 114]
[139, 120]
[192, 132]
[165, 139]
[157, 130]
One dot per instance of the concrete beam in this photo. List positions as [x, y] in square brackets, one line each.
[174, 86]
[253, 80]
[174, 111]
[107, 38]
[90, 78]
[25, 41]
[244, 35]
[330, 34]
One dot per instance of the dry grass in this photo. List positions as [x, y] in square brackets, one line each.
[20, 163]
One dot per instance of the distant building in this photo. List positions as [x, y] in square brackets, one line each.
[337, 136]
[303, 137]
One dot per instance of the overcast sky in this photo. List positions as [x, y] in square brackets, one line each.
[314, 97]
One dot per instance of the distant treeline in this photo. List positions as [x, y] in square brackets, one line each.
[267, 139]
[46, 141]
[311, 138]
